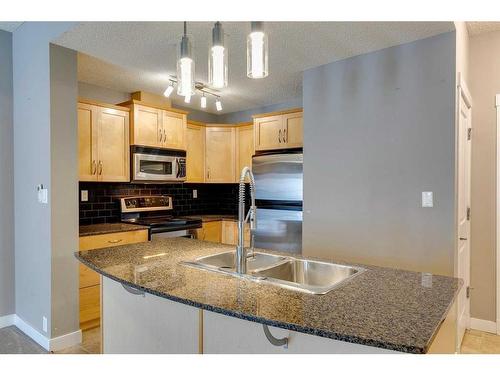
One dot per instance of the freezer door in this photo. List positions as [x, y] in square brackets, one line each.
[279, 230]
[278, 177]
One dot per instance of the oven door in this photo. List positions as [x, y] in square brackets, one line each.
[158, 168]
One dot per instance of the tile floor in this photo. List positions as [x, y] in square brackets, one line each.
[14, 341]
[478, 342]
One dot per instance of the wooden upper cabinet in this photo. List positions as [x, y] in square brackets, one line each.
[278, 131]
[87, 142]
[113, 145]
[268, 132]
[195, 150]
[293, 129]
[156, 127]
[220, 155]
[174, 130]
[103, 143]
[245, 148]
[146, 127]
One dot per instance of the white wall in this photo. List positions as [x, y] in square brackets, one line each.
[6, 178]
[379, 130]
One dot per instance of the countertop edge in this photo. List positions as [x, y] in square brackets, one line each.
[278, 324]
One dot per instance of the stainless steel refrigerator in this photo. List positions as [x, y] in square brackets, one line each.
[278, 193]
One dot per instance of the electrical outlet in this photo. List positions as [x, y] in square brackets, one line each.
[195, 193]
[84, 195]
[427, 199]
[44, 324]
[43, 194]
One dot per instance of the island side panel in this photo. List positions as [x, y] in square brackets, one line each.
[146, 324]
[227, 335]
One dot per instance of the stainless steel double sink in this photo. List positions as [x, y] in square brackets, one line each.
[303, 275]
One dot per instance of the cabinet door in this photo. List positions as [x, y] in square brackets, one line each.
[229, 232]
[269, 133]
[146, 126]
[195, 151]
[220, 154]
[245, 148]
[212, 231]
[293, 129]
[174, 130]
[113, 149]
[87, 142]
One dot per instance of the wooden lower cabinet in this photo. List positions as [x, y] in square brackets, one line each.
[90, 309]
[211, 231]
[222, 231]
[147, 324]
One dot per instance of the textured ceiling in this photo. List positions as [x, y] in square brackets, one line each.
[9, 26]
[131, 56]
[476, 28]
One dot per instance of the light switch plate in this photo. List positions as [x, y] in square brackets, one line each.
[84, 195]
[427, 199]
[43, 194]
[195, 193]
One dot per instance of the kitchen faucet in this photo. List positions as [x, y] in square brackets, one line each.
[241, 252]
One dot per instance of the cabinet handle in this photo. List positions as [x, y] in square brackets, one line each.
[285, 136]
[94, 167]
[164, 135]
[160, 134]
[135, 291]
[115, 241]
[100, 167]
[279, 136]
[208, 173]
[273, 340]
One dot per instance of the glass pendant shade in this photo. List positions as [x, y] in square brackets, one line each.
[185, 68]
[217, 59]
[257, 52]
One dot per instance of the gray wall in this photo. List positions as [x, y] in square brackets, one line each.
[33, 165]
[379, 130]
[246, 116]
[6, 178]
[64, 194]
[88, 91]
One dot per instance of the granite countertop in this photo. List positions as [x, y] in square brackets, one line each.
[94, 229]
[381, 307]
[207, 218]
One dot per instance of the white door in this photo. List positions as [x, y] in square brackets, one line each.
[463, 256]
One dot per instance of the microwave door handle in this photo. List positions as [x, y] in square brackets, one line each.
[178, 168]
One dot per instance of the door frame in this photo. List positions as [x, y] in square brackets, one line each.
[462, 93]
[497, 105]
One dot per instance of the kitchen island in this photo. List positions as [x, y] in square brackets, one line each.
[153, 303]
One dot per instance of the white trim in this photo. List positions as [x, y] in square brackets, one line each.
[483, 325]
[32, 332]
[7, 320]
[465, 91]
[497, 100]
[54, 344]
[66, 341]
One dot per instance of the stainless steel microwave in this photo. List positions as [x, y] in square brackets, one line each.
[155, 165]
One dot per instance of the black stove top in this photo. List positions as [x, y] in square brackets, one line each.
[154, 221]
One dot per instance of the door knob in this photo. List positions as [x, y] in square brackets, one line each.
[463, 239]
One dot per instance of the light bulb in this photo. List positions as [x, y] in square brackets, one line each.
[203, 102]
[218, 104]
[169, 90]
[257, 52]
[217, 67]
[187, 99]
[186, 76]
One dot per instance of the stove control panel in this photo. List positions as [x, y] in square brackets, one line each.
[146, 203]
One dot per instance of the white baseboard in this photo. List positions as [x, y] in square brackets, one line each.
[7, 320]
[483, 325]
[66, 341]
[57, 343]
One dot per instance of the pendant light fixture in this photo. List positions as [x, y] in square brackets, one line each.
[169, 90]
[185, 67]
[218, 105]
[257, 52]
[203, 101]
[217, 59]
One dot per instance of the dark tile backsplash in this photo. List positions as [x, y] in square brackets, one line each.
[103, 204]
